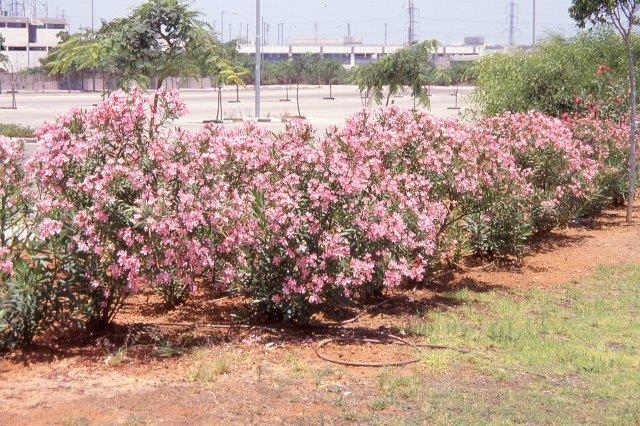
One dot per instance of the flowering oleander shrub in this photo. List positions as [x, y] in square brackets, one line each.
[99, 173]
[116, 201]
[374, 205]
[609, 142]
[557, 166]
[14, 210]
[37, 284]
[460, 168]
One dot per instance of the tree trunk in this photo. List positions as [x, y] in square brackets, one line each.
[219, 111]
[298, 98]
[632, 132]
[154, 110]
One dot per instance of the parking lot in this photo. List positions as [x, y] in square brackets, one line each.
[34, 108]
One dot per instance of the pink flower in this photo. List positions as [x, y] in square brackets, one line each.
[49, 227]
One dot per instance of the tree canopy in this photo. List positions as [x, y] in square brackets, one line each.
[3, 57]
[409, 67]
[619, 13]
[622, 14]
[160, 38]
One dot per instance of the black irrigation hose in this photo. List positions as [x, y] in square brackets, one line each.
[396, 339]
[324, 342]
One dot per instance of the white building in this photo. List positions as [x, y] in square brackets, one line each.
[351, 55]
[29, 39]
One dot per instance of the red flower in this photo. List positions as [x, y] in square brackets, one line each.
[603, 69]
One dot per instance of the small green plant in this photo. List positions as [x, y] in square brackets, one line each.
[11, 130]
[208, 368]
[117, 358]
[166, 349]
[208, 371]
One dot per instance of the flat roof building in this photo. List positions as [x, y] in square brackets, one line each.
[29, 39]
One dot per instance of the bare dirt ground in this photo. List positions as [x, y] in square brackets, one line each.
[203, 375]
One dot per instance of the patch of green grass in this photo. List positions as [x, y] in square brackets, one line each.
[565, 355]
[208, 371]
[166, 349]
[208, 366]
[15, 130]
[117, 358]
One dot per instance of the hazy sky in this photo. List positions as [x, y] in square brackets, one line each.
[449, 21]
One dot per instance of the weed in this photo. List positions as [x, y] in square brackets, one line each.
[207, 368]
[117, 358]
[11, 130]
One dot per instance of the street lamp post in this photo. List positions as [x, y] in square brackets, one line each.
[258, 44]
[534, 23]
[93, 74]
[222, 23]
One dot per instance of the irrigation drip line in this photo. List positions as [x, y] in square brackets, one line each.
[388, 336]
[401, 363]
[384, 337]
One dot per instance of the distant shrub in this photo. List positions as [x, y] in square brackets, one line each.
[561, 75]
[16, 131]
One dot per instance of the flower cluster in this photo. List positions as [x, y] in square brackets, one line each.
[14, 202]
[609, 142]
[556, 168]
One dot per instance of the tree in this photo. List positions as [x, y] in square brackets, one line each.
[159, 39]
[622, 15]
[284, 74]
[78, 52]
[297, 67]
[329, 70]
[410, 67]
[7, 66]
[224, 68]
[3, 57]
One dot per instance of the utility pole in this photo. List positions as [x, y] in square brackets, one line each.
[257, 70]
[512, 24]
[386, 27]
[412, 30]
[534, 24]
[93, 30]
[315, 29]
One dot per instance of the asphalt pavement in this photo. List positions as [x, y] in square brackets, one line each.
[35, 108]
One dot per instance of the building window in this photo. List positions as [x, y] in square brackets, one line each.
[38, 49]
[55, 26]
[16, 25]
[33, 34]
[17, 48]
